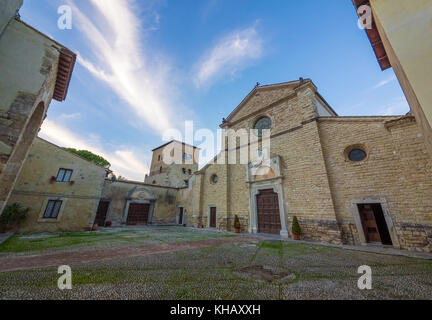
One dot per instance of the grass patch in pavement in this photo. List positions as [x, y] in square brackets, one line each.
[234, 271]
[22, 243]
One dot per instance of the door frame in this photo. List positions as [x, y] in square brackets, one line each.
[255, 189]
[209, 215]
[129, 202]
[178, 215]
[384, 206]
[107, 212]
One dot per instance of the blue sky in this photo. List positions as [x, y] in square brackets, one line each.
[148, 66]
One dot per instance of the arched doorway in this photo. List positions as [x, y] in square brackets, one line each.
[16, 160]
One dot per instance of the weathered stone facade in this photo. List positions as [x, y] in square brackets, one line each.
[173, 164]
[121, 194]
[30, 77]
[317, 182]
[309, 173]
[35, 187]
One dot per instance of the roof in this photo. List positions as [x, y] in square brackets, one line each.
[252, 93]
[295, 84]
[64, 73]
[73, 154]
[374, 38]
[172, 142]
[66, 65]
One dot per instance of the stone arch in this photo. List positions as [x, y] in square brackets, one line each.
[141, 193]
[253, 120]
[16, 160]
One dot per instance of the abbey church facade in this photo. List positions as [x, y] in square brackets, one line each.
[349, 180]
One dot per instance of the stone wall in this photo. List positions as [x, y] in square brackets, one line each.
[319, 181]
[397, 169]
[34, 188]
[27, 80]
[119, 192]
[8, 9]
[295, 138]
[163, 172]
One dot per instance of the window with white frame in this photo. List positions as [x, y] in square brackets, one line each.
[52, 209]
[64, 175]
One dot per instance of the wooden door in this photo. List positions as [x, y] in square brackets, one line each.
[181, 216]
[101, 213]
[268, 212]
[138, 214]
[212, 217]
[369, 223]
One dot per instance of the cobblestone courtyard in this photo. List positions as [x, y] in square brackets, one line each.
[176, 263]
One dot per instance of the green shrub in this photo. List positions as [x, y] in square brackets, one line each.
[12, 216]
[237, 224]
[296, 226]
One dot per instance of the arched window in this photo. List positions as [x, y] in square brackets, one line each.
[262, 124]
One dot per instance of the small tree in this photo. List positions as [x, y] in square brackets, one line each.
[12, 216]
[296, 226]
[237, 224]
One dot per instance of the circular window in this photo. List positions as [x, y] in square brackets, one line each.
[357, 155]
[214, 179]
[262, 124]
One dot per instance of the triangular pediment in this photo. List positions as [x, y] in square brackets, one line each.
[261, 97]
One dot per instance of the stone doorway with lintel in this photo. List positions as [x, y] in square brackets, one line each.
[264, 179]
[140, 196]
[373, 222]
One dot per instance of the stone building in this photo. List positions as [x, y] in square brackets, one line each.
[135, 203]
[173, 164]
[352, 180]
[34, 70]
[68, 193]
[61, 189]
[349, 180]
[400, 37]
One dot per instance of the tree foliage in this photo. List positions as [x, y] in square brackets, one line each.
[237, 224]
[90, 156]
[12, 216]
[296, 226]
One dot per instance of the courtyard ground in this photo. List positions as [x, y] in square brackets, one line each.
[182, 263]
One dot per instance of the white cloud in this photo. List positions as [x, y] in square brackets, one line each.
[114, 37]
[384, 82]
[229, 55]
[69, 116]
[123, 161]
[397, 107]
